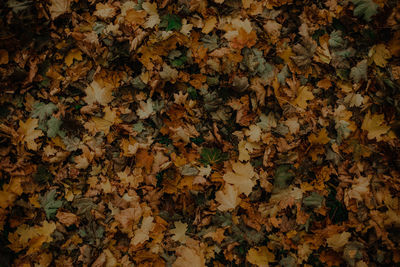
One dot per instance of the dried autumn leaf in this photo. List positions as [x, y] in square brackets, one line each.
[104, 11]
[98, 92]
[31, 237]
[338, 241]
[145, 109]
[59, 7]
[303, 96]
[67, 218]
[189, 256]
[321, 139]
[241, 177]
[209, 25]
[375, 125]
[142, 234]
[379, 54]
[179, 232]
[260, 256]
[228, 199]
[29, 134]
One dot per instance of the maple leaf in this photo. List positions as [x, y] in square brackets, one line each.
[98, 92]
[32, 237]
[190, 255]
[359, 72]
[104, 11]
[179, 232]
[365, 8]
[59, 7]
[338, 241]
[151, 9]
[321, 139]
[211, 156]
[145, 109]
[50, 204]
[254, 133]
[241, 177]
[209, 25]
[260, 256]
[73, 54]
[359, 189]
[142, 234]
[67, 218]
[229, 198]
[29, 134]
[375, 126]
[379, 54]
[303, 96]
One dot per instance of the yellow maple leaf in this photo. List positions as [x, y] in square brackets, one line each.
[28, 132]
[303, 96]
[321, 139]
[98, 92]
[73, 54]
[228, 198]
[241, 177]
[59, 7]
[379, 54]
[190, 255]
[209, 25]
[142, 234]
[260, 256]
[337, 241]
[375, 126]
[179, 232]
[32, 237]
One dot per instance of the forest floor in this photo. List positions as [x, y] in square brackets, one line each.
[199, 133]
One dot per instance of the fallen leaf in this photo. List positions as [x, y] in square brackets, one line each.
[29, 134]
[375, 125]
[241, 177]
[228, 198]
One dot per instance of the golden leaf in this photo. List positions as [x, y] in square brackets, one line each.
[303, 96]
[321, 139]
[73, 54]
[28, 132]
[228, 198]
[379, 54]
[375, 126]
[98, 92]
[241, 177]
[179, 232]
[260, 256]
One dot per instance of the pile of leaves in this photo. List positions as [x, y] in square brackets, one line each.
[199, 133]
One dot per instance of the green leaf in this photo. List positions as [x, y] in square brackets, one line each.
[138, 127]
[178, 62]
[53, 127]
[336, 40]
[314, 200]
[210, 156]
[42, 110]
[359, 72]
[365, 9]
[171, 22]
[283, 176]
[50, 204]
